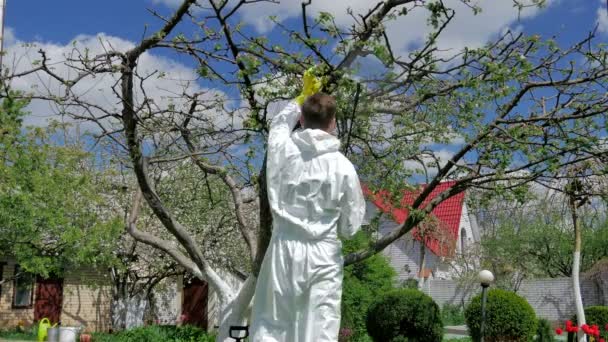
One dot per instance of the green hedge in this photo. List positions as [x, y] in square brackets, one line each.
[544, 332]
[363, 283]
[405, 315]
[184, 333]
[452, 314]
[509, 317]
[596, 315]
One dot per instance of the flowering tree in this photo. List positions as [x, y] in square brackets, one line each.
[515, 111]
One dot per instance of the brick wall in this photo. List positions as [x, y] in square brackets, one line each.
[550, 298]
[10, 317]
[86, 300]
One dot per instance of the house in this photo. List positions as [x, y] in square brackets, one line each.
[80, 298]
[83, 298]
[450, 231]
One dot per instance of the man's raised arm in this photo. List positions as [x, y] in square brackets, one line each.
[283, 123]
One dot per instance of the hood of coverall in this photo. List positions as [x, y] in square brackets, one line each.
[316, 141]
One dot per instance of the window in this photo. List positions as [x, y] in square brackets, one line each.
[463, 240]
[23, 288]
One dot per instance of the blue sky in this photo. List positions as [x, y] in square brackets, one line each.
[56, 23]
[61, 20]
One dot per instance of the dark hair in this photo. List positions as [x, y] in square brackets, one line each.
[318, 111]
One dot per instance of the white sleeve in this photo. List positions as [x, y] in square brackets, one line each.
[352, 206]
[282, 125]
[280, 132]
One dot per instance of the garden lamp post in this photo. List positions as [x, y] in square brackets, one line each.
[485, 278]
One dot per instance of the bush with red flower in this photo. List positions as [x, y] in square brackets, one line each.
[596, 318]
[593, 331]
[345, 335]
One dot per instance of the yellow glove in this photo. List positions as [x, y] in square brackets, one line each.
[312, 85]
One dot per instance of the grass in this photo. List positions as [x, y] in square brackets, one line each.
[17, 335]
[459, 339]
[452, 315]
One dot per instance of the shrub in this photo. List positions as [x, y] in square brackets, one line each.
[16, 334]
[452, 314]
[184, 333]
[509, 317]
[363, 283]
[404, 313]
[596, 315]
[544, 333]
[409, 283]
[187, 333]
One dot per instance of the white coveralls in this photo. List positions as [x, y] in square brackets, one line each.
[314, 194]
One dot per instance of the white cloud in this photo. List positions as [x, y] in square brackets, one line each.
[466, 29]
[441, 156]
[97, 90]
[602, 19]
[9, 36]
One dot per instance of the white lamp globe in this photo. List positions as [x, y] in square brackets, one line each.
[486, 277]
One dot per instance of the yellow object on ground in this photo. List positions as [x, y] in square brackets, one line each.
[43, 326]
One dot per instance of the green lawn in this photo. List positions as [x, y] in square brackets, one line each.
[17, 336]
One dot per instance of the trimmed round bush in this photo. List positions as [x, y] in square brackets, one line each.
[509, 317]
[404, 315]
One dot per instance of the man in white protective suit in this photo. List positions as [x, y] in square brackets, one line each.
[315, 196]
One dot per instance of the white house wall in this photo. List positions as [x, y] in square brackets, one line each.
[404, 254]
[168, 300]
[213, 304]
[465, 223]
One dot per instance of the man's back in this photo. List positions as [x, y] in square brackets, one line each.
[314, 195]
[309, 184]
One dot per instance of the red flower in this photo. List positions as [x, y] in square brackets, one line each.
[559, 331]
[602, 340]
[606, 327]
[568, 323]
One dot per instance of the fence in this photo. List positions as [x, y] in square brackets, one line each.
[552, 298]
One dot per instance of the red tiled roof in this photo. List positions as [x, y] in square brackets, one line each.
[447, 213]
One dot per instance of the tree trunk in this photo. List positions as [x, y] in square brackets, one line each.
[576, 263]
[422, 265]
[234, 309]
[118, 307]
[128, 311]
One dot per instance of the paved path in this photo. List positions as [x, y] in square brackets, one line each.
[456, 330]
